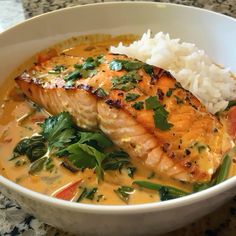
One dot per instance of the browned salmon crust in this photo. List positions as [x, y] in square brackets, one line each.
[191, 150]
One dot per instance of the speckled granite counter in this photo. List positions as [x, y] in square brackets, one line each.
[13, 220]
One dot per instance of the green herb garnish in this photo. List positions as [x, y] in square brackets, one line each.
[138, 105]
[115, 160]
[73, 76]
[131, 170]
[126, 82]
[231, 104]
[152, 103]
[57, 69]
[33, 148]
[166, 192]
[178, 100]
[124, 192]
[131, 97]
[169, 92]
[118, 65]
[87, 193]
[59, 130]
[148, 69]
[100, 92]
[160, 119]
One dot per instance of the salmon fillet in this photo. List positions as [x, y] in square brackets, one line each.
[141, 108]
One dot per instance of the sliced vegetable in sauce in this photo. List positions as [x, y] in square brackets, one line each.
[68, 192]
[166, 192]
[124, 192]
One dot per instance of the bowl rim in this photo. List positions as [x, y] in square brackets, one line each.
[118, 209]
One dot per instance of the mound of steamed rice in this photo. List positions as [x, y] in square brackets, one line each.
[212, 85]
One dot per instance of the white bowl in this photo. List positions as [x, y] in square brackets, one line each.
[211, 31]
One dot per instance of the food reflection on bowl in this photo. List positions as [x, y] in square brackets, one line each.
[110, 129]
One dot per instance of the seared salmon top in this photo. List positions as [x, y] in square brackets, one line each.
[140, 107]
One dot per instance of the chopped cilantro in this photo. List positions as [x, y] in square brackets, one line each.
[169, 92]
[152, 103]
[73, 75]
[178, 100]
[160, 119]
[100, 92]
[57, 69]
[148, 69]
[131, 97]
[125, 82]
[58, 130]
[138, 106]
[116, 65]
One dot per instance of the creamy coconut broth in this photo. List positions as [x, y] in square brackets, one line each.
[20, 118]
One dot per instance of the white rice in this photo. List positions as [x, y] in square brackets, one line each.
[212, 85]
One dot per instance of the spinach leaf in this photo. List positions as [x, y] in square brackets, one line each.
[44, 162]
[33, 148]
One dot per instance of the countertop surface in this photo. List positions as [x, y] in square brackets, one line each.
[13, 220]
